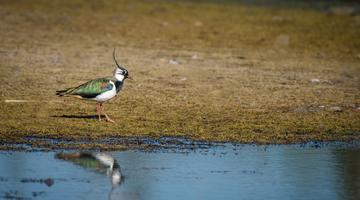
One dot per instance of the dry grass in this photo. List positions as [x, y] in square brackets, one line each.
[245, 83]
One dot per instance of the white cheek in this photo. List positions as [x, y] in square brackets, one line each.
[119, 77]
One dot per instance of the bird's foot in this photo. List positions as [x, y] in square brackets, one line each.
[110, 120]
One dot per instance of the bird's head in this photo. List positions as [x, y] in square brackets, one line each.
[120, 72]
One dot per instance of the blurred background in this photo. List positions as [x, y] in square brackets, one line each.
[316, 27]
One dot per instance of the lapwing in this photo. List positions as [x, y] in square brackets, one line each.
[102, 163]
[100, 90]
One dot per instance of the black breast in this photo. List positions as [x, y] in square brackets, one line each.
[118, 85]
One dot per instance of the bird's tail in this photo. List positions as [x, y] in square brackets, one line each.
[61, 93]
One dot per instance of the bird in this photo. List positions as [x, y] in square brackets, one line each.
[102, 163]
[100, 90]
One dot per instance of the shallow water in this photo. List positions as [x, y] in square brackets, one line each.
[219, 172]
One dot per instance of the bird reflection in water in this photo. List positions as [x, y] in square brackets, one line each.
[99, 162]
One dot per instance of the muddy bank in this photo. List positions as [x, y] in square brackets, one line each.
[107, 144]
[203, 71]
[167, 144]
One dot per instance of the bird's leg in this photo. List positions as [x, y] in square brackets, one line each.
[98, 110]
[107, 117]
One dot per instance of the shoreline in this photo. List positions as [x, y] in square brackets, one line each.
[148, 144]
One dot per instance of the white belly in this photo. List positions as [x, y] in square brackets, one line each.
[106, 95]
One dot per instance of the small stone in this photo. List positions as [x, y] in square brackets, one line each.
[198, 23]
[194, 57]
[315, 80]
[282, 40]
[49, 182]
[335, 109]
[183, 79]
[174, 62]
[321, 106]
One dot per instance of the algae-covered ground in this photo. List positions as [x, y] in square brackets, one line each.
[202, 70]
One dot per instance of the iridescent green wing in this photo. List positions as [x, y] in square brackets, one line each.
[93, 88]
[82, 159]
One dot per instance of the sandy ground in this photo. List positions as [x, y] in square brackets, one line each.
[206, 71]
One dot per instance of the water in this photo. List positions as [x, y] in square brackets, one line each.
[219, 172]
